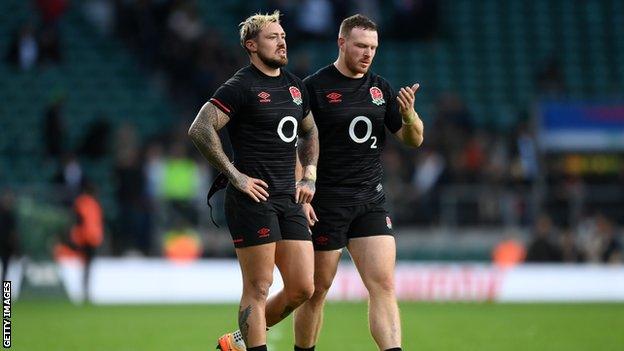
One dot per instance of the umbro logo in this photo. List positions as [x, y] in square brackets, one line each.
[334, 97]
[264, 97]
[321, 240]
[263, 232]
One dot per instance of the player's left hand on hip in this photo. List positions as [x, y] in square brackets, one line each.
[406, 98]
[305, 191]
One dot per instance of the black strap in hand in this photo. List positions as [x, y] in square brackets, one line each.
[220, 182]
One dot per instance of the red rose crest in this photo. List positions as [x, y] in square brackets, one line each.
[377, 96]
[296, 95]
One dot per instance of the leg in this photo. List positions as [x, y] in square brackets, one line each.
[309, 317]
[5, 263]
[374, 257]
[257, 264]
[295, 261]
[89, 252]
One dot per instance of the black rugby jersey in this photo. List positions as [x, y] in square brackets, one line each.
[351, 115]
[265, 113]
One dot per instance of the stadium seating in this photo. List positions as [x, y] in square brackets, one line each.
[97, 77]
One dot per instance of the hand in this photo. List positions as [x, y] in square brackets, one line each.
[305, 191]
[310, 214]
[406, 99]
[255, 188]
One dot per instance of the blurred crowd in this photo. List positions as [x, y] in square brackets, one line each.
[33, 46]
[173, 42]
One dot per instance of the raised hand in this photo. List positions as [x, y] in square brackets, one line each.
[406, 98]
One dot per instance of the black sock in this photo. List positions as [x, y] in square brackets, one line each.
[257, 348]
[392, 349]
[297, 348]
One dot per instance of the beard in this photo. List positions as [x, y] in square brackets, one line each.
[271, 62]
[354, 66]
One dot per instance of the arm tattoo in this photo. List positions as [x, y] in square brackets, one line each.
[243, 326]
[204, 134]
[308, 148]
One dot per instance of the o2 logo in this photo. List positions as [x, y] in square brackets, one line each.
[369, 131]
[280, 129]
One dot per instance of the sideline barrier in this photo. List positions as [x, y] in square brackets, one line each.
[161, 281]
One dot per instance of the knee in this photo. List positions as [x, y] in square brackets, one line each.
[321, 288]
[380, 285]
[301, 293]
[258, 289]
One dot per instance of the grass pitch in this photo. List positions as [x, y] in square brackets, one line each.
[53, 325]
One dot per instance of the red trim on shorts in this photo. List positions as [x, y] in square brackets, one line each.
[220, 105]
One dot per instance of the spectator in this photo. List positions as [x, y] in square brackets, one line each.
[50, 46]
[315, 19]
[8, 230]
[24, 49]
[95, 142]
[88, 232]
[610, 245]
[509, 252]
[570, 252]
[70, 178]
[541, 249]
[54, 128]
[181, 182]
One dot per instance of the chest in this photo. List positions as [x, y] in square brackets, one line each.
[269, 105]
[340, 107]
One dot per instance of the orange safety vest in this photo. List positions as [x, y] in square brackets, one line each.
[91, 231]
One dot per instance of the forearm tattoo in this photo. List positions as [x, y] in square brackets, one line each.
[308, 148]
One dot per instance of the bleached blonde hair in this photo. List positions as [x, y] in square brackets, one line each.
[250, 27]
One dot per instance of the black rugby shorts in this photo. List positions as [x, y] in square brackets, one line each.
[338, 224]
[255, 223]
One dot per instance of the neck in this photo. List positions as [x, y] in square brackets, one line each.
[269, 71]
[341, 66]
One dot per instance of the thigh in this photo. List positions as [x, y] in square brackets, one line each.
[295, 261]
[330, 232]
[371, 220]
[293, 223]
[375, 258]
[257, 263]
[325, 267]
[250, 223]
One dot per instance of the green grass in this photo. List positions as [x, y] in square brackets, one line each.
[49, 326]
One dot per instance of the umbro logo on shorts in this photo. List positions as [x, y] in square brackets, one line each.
[321, 240]
[263, 232]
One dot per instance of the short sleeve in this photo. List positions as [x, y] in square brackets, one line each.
[392, 119]
[306, 100]
[230, 97]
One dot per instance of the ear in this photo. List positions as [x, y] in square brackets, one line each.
[251, 45]
[341, 42]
